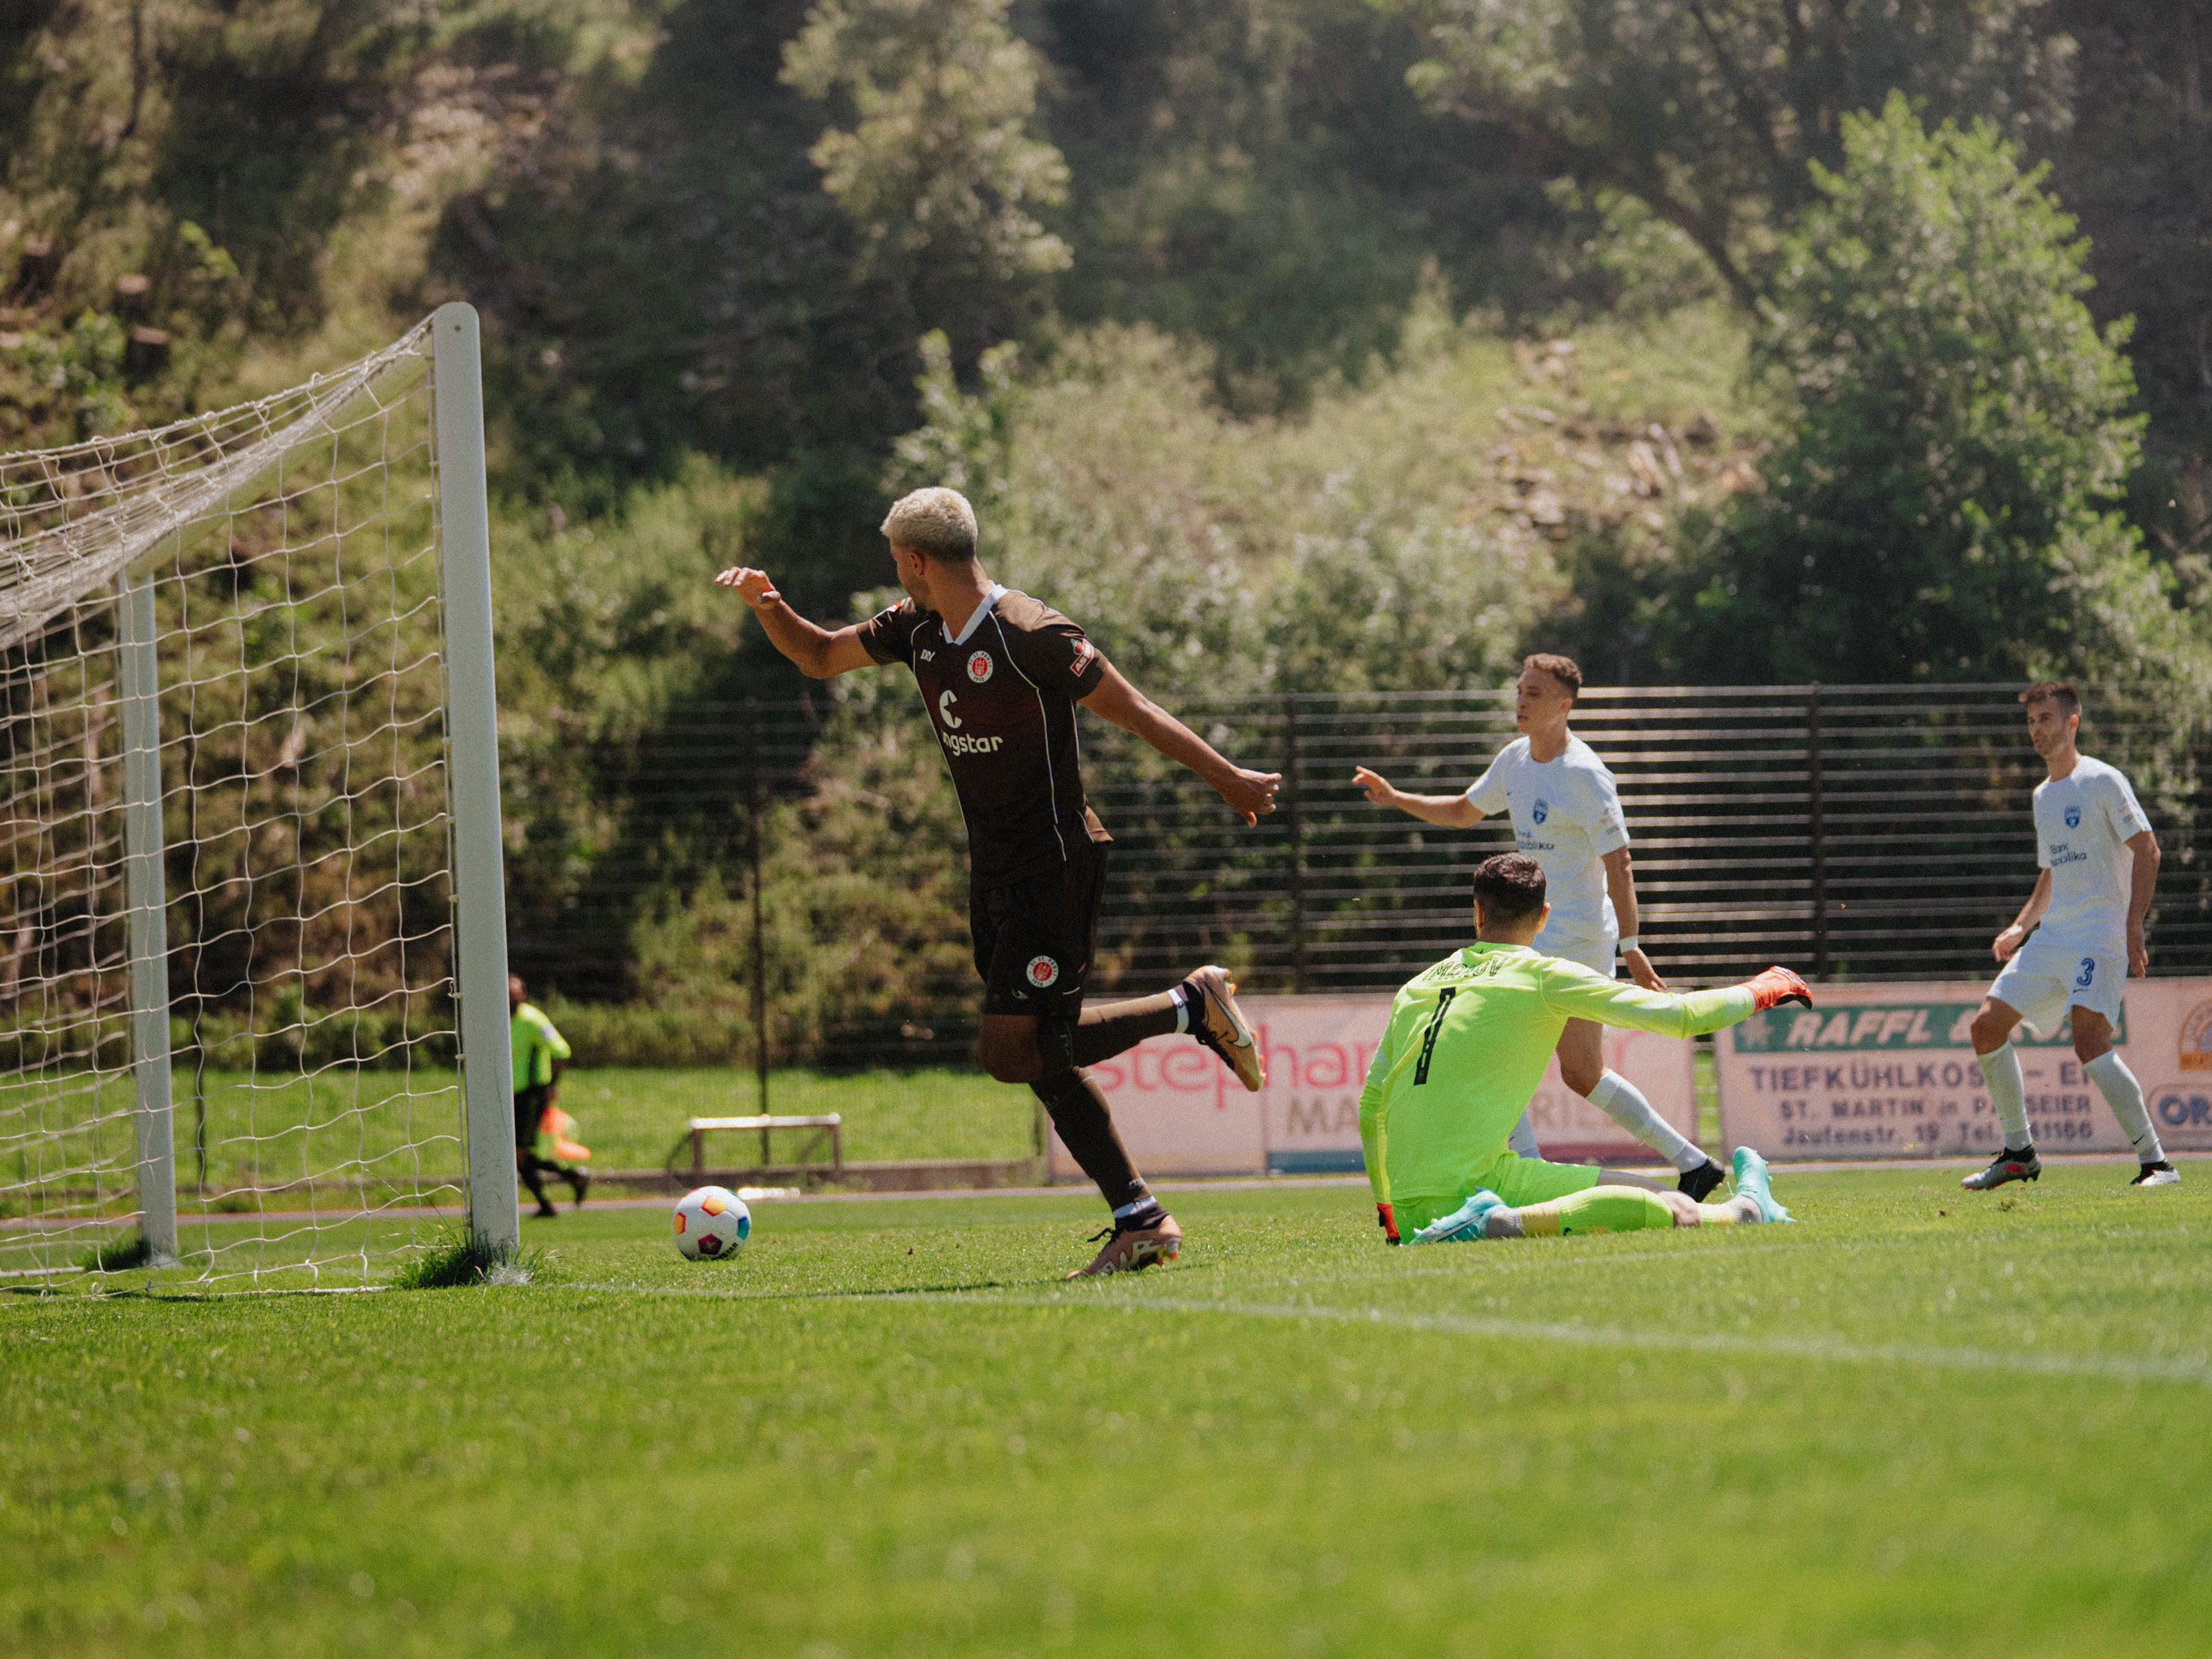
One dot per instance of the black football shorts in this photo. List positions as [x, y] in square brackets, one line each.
[1033, 937]
[529, 1107]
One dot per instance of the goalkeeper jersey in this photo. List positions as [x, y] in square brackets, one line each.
[1467, 1046]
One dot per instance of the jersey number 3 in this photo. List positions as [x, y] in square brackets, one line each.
[1429, 1039]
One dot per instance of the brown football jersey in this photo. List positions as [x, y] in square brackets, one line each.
[1001, 697]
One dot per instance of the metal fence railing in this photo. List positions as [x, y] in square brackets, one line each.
[1860, 832]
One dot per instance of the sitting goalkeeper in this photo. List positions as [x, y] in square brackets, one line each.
[1466, 1048]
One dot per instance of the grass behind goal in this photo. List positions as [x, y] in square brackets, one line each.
[255, 1139]
[1911, 1424]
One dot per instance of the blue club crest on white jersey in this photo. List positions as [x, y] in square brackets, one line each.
[2073, 818]
[1541, 811]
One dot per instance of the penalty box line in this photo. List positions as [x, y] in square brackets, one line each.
[2112, 1368]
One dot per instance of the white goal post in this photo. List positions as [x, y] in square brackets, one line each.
[252, 933]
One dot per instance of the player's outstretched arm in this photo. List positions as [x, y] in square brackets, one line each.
[1571, 989]
[2002, 946]
[1248, 794]
[819, 654]
[1453, 812]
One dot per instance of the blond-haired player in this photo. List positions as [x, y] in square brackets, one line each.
[1000, 675]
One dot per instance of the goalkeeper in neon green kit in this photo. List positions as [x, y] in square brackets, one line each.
[1466, 1048]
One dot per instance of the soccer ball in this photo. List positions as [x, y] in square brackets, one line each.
[711, 1223]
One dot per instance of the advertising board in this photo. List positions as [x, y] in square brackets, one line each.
[1888, 1071]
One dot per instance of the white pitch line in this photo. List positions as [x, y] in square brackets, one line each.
[2116, 1368]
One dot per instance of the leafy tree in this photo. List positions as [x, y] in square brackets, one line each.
[2136, 165]
[1256, 175]
[78, 377]
[938, 168]
[1957, 431]
[1709, 110]
[604, 635]
[1402, 535]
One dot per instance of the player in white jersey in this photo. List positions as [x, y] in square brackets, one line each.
[2099, 862]
[1566, 816]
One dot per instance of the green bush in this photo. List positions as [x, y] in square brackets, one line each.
[605, 1034]
[1945, 504]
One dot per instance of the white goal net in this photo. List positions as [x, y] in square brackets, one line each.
[249, 854]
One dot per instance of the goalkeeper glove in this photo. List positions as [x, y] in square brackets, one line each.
[1777, 986]
[1388, 1222]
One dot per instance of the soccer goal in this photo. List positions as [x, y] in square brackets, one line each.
[253, 953]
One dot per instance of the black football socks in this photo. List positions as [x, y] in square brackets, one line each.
[1078, 1108]
[1117, 1027]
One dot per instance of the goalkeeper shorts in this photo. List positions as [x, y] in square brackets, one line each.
[1518, 1181]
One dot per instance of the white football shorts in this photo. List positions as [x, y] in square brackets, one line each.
[1598, 955]
[2047, 977]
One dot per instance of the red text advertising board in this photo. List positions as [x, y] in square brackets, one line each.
[1181, 1112]
[1888, 1071]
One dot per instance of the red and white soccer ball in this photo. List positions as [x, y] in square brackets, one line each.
[711, 1223]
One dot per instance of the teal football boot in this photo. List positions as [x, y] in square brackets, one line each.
[1467, 1223]
[1751, 1177]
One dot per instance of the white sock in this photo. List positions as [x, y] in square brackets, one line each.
[1182, 1008]
[1521, 1143]
[1623, 1103]
[2124, 1096]
[2007, 1090]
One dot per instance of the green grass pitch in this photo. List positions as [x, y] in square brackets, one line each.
[393, 1129]
[344, 1135]
[1921, 1422]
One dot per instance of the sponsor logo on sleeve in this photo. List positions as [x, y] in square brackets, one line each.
[1085, 651]
[1043, 972]
[979, 666]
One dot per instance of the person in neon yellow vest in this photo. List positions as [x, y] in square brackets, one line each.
[542, 1130]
